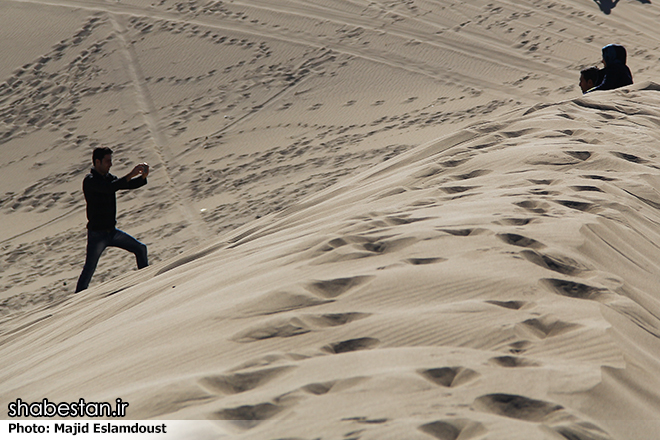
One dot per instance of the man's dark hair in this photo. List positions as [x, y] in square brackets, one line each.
[99, 153]
[591, 73]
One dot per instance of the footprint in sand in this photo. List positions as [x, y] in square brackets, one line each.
[597, 177]
[405, 220]
[513, 305]
[582, 431]
[572, 289]
[428, 172]
[629, 157]
[556, 263]
[335, 319]
[365, 420]
[472, 175]
[514, 221]
[461, 232]
[548, 326]
[450, 377]
[424, 261]
[246, 417]
[520, 240]
[249, 416]
[363, 247]
[388, 246]
[541, 181]
[336, 287]
[458, 189]
[454, 162]
[513, 362]
[519, 347]
[549, 414]
[237, 383]
[517, 407]
[587, 188]
[533, 206]
[321, 388]
[278, 329]
[453, 429]
[580, 206]
[580, 155]
[351, 345]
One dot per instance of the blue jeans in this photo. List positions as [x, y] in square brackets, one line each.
[97, 241]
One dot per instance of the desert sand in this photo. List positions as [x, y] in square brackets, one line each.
[366, 219]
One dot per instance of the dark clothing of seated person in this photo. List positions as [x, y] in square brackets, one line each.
[615, 73]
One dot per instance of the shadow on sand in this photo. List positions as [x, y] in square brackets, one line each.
[607, 5]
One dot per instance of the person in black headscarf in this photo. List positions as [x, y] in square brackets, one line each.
[615, 73]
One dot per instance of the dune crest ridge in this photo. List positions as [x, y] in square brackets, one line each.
[500, 282]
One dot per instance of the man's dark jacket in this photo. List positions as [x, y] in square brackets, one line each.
[100, 196]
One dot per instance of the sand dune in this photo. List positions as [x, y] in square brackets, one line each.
[365, 219]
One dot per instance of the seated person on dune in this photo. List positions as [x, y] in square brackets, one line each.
[615, 73]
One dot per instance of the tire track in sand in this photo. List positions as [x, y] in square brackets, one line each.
[160, 144]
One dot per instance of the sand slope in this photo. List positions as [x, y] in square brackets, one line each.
[245, 108]
[500, 282]
[366, 220]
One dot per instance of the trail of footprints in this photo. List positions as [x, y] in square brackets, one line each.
[505, 405]
[543, 413]
[376, 236]
[379, 235]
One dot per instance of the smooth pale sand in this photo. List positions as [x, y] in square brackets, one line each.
[374, 220]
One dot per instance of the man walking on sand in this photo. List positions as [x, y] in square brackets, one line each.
[99, 187]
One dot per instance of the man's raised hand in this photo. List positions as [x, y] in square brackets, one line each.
[139, 169]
